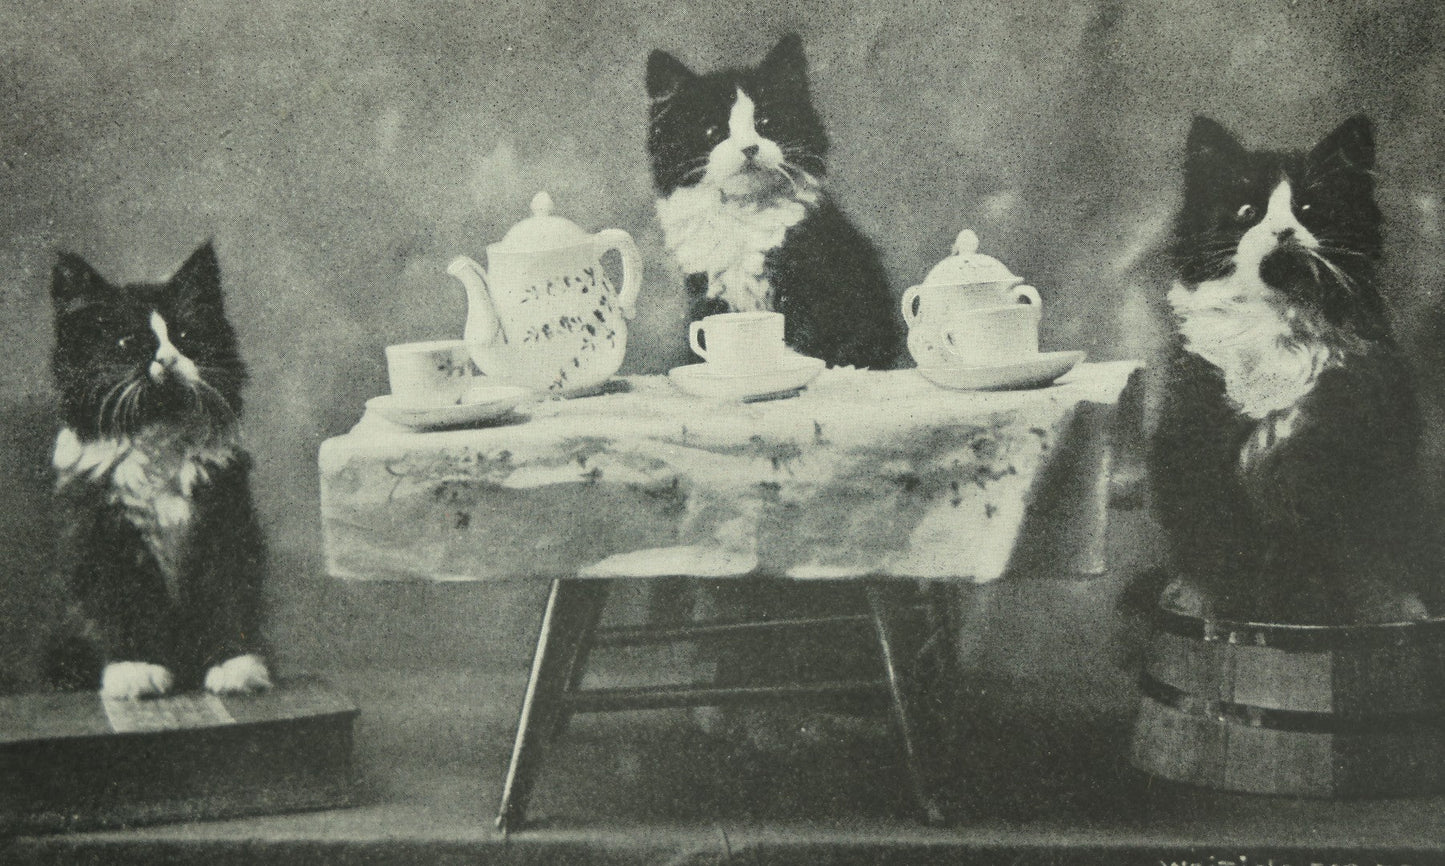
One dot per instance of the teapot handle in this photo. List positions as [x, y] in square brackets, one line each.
[910, 298]
[617, 239]
[482, 325]
[1029, 295]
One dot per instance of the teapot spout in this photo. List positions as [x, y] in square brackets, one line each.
[482, 324]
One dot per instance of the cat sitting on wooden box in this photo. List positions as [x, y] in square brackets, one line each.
[1283, 466]
[157, 536]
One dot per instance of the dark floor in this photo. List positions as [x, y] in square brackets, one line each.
[1041, 726]
[1032, 784]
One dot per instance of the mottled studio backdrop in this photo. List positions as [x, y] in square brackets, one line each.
[341, 153]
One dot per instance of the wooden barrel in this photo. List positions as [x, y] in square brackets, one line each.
[1315, 711]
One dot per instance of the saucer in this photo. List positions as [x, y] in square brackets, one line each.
[1034, 371]
[481, 403]
[704, 380]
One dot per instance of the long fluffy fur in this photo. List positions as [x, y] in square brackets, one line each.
[738, 159]
[158, 539]
[1283, 463]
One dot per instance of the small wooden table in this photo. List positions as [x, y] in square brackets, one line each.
[878, 480]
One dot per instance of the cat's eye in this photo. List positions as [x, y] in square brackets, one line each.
[124, 343]
[714, 134]
[761, 123]
[1247, 213]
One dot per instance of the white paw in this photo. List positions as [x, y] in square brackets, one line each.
[131, 680]
[241, 674]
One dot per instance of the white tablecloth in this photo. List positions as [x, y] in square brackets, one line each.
[863, 473]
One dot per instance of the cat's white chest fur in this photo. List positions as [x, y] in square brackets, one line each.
[728, 239]
[1232, 324]
[152, 484]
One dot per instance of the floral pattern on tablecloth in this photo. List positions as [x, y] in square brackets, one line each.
[864, 473]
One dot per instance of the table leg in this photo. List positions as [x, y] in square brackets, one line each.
[577, 664]
[883, 605]
[570, 605]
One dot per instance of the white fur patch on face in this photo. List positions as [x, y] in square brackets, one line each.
[740, 210]
[1234, 324]
[1278, 223]
[745, 160]
[1239, 324]
[168, 359]
[245, 673]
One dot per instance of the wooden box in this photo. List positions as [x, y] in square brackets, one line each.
[70, 760]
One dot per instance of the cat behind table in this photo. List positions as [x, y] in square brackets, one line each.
[157, 537]
[738, 164]
[1283, 464]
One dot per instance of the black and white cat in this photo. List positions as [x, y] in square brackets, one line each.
[1282, 466]
[738, 164]
[158, 539]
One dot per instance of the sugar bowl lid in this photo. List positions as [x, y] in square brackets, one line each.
[543, 230]
[968, 265]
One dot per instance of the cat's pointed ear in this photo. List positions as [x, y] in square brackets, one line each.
[787, 59]
[200, 276]
[1352, 141]
[75, 284]
[1209, 142]
[665, 74]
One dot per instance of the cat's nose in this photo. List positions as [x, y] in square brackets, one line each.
[163, 364]
[751, 151]
[1285, 234]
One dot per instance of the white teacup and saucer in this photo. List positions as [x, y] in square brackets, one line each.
[744, 359]
[432, 386]
[994, 349]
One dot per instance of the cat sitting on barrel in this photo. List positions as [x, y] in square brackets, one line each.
[1283, 465]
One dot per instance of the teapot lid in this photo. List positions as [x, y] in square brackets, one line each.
[542, 230]
[968, 265]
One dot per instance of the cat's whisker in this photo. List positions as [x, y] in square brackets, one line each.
[125, 408]
[205, 391]
[100, 411]
[808, 181]
[695, 162]
[1335, 250]
[799, 157]
[1344, 279]
[783, 171]
[114, 398]
[100, 390]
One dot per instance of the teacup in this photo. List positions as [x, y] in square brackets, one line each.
[936, 301]
[991, 336]
[430, 373]
[929, 308]
[739, 343]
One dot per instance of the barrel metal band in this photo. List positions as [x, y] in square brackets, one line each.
[1295, 721]
[1302, 638]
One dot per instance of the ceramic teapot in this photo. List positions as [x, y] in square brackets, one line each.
[543, 314]
[964, 281]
